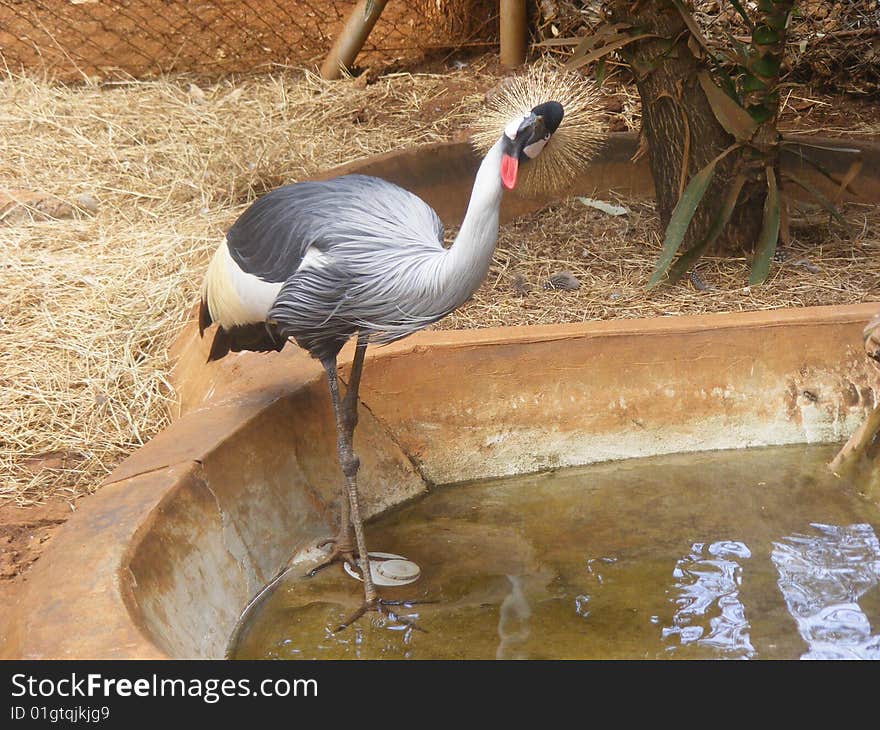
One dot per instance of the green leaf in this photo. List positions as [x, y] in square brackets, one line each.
[767, 66]
[818, 195]
[689, 257]
[760, 113]
[681, 219]
[600, 72]
[730, 115]
[727, 83]
[752, 83]
[769, 232]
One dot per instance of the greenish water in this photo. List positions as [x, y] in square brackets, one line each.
[758, 553]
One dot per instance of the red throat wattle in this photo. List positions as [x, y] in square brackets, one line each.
[509, 166]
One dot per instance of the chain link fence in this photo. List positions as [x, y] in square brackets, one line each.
[78, 39]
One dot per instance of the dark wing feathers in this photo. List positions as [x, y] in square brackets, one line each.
[271, 237]
[254, 337]
[204, 316]
[364, 224]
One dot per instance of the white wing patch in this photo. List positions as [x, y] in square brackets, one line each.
[314, 259]
[234, 296]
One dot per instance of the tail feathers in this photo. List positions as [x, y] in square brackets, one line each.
[259, 337]
[204, 317]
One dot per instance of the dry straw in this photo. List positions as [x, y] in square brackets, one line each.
[90, 303]
[158, 170]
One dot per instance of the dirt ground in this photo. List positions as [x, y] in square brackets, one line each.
[25, 531]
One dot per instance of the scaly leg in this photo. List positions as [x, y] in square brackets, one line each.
[346, 414]
[346, 420]
[345, 411]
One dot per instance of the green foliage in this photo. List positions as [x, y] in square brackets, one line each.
[769, 236]
[690, 257]
[741, 84]
[683, 214]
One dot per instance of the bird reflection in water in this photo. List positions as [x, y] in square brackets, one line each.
[513, 622]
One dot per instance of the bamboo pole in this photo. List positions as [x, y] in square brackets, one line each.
[513, 33]
[351, 39]
[857, 446]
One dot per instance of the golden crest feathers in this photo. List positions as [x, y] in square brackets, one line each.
[572, 145]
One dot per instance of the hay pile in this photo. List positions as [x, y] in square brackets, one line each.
[152, 174]
[138, 181]
[609, 258]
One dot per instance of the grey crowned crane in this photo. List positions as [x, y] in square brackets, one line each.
[322, 262]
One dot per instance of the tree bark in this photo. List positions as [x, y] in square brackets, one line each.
[678, 126]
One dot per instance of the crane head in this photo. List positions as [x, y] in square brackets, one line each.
[525, 137]
[545, 148]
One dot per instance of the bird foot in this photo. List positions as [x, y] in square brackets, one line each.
[343, 551]
[385, 608]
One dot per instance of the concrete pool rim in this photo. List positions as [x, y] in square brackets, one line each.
[79, 601]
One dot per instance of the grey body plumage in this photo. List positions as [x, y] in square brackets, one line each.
[352, 254]
[320, 262]
[350, 243]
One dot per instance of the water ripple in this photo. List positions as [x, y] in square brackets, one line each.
[821, 578]
[706, 593]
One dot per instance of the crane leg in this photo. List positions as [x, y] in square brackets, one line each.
[345, 410]
[345, 545]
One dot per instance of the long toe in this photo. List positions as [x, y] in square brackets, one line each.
[386, 608]
[343, 552]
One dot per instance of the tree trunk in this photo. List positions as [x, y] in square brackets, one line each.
[678, 125]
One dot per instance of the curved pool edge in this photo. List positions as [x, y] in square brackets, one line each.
[115, 580]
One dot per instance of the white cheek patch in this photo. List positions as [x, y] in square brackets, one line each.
[513, 127]
[534, 149]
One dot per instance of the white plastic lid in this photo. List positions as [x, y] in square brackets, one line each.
[388, 569]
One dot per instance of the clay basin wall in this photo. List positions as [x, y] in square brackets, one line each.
[162, 559]
[171, 549]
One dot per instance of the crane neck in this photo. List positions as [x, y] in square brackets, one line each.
[467, 260]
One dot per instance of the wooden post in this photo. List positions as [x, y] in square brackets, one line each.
[513, 33]
[352, 37]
